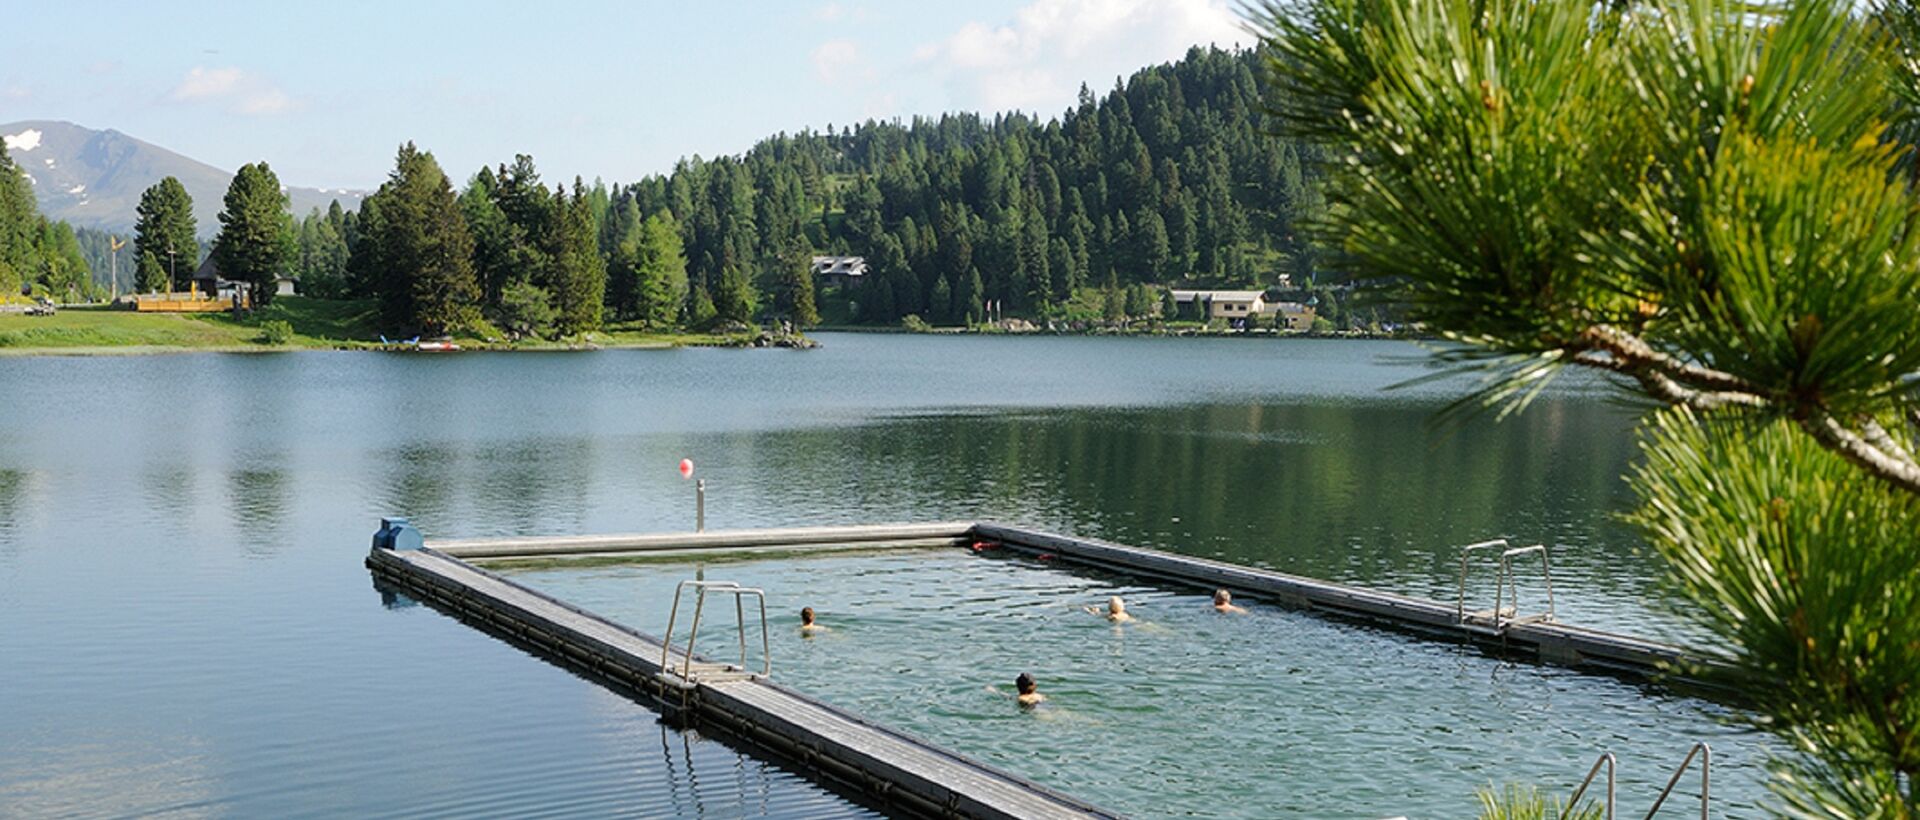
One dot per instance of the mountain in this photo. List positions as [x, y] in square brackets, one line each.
[93, 179]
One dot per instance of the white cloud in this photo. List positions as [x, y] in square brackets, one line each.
[829, 12]
[1038, 59]
[23, 142]
[201, 83]
[238, 91]
[270, 101]
[834, 60]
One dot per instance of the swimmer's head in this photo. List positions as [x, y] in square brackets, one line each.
[1116, 606]
[1024, 683]
[806, 616]
[1222, 597]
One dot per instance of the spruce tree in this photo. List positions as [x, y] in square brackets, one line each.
[735, 301]
[793, 288]
[661, 263]
[256, 242]
[577, 274]
[422, 249]
[19, 215]
[941, 302]
[165, 224]
[494, 237]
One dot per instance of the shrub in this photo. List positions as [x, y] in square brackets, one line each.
[276, 332]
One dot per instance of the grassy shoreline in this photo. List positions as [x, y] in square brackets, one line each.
[317, 325]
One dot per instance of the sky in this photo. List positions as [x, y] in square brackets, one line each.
[325, 92]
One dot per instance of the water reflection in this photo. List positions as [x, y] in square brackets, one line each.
[257, 502]
[202, 519]
[13, 505]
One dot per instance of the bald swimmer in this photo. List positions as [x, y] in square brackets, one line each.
[1223, 602]
[1116, 610]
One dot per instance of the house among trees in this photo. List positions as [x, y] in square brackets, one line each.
[840, 271]
[1237, 306]
[1224, 304]
[284, 285]
[1292, 315]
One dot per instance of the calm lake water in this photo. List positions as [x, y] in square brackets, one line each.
[188, 627]
[1275, 713]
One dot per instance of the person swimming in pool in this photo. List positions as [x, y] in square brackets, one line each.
[1116, 610]
[1223, 602]
[1029, 691]
[807, 626]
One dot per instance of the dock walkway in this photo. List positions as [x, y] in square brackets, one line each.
[904, 772]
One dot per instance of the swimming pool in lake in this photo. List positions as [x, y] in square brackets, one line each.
[1185, 711]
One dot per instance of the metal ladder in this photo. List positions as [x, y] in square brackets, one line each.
[1505, 588]
[693, 672]
[1700, 750]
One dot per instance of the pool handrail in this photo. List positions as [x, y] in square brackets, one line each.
[701, 588]
[1705, 753]
[1607, 759]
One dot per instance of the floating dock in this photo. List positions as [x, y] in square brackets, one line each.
[884, 765]
[1548, 641]
[897, 770]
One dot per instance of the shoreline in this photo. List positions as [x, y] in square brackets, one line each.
[693, 340]
[739, 341]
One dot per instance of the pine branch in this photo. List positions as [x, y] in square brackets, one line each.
[1667, 389]
[1833, 435]
[1664, 377]
[1871, 448]
[1630, 348]
[1879, 437]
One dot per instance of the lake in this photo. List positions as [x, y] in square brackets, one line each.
[189, 627]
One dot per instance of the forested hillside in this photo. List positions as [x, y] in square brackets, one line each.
[1167, 178]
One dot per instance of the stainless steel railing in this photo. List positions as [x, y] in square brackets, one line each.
[1506, 585]
[739, 593]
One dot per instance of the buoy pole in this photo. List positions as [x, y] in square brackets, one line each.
[700, 505]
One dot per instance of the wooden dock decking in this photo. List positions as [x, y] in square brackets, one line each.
[904, 772]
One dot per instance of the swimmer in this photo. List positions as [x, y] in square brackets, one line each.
[807, 626]
[1116, 610]
[1029, 692]
[1223, 602]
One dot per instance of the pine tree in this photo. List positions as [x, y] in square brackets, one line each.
[494, 237]
[972, 299]
[577, 274]
[322, 263]
[661, 263]
[164, 237]
[701, 312]
[736, 300]
[422, 249]
[793, 288]
[941, 300]
[256, 242]
[19, 215]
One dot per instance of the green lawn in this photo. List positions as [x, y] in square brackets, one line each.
[316, 323]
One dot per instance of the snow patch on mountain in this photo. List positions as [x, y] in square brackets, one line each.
[22, 142]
